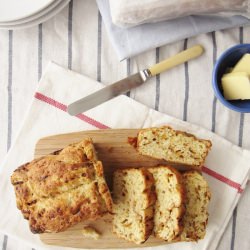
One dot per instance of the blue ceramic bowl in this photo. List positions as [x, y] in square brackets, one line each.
[228, 60]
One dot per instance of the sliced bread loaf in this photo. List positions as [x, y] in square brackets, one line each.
[169, 206]
[197, 199]
[57, 191]
[174, 146]
[134, 198]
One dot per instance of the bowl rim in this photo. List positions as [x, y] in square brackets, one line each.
[215, 83]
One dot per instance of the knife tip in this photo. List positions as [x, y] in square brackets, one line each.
[70, 110]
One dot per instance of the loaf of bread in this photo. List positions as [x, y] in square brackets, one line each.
[176, 147]
[134, 198]
[197, 198]
[169, 206]
[57, 191]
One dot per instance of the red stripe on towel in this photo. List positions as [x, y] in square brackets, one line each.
[63, 107]
[222, 178]
[99, 125]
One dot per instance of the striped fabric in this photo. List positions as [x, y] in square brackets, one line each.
[76, 39]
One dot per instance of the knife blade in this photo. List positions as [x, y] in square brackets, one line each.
[132, 81]
[106, 93]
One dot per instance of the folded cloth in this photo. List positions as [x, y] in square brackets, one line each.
[133, 12]
[132, 41]
[226, 168]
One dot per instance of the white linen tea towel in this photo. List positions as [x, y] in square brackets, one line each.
[129, 42]
[226, 168]
[134, 12]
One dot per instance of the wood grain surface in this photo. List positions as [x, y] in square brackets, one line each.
[115, 152]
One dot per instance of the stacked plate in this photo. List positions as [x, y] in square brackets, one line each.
[16, 14]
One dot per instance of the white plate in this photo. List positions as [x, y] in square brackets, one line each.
[38, 20]
[34, 16]
[11, 10]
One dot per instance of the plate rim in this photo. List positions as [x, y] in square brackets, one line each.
[34, 16]
[31, 12]
[39, 20]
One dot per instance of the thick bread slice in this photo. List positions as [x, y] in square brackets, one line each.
[59, 190]
[134, 198]
[197, 198]
[174, 146]
[169, 206]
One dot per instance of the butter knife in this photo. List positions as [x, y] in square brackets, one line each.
[132, 81]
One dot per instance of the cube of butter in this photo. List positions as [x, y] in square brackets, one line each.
[243, 65]
[236, 86]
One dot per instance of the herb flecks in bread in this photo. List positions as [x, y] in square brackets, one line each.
[174, 146]
[134, 198]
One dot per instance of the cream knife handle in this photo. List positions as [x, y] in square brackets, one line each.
[175, 60]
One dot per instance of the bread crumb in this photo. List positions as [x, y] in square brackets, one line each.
[90, 232]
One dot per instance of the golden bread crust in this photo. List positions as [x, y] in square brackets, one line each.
[102, 185]
[57, 191]
[67, 209]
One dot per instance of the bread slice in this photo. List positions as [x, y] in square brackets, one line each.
[176, 147]
[59, 190]
[197, 199]
[134, 198]
[169, 206]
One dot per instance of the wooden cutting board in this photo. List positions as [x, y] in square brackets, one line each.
[115, 152]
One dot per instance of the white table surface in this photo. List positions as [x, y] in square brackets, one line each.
[76, 39]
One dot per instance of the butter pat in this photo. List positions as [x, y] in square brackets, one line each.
[236, 86]
[243, 65]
